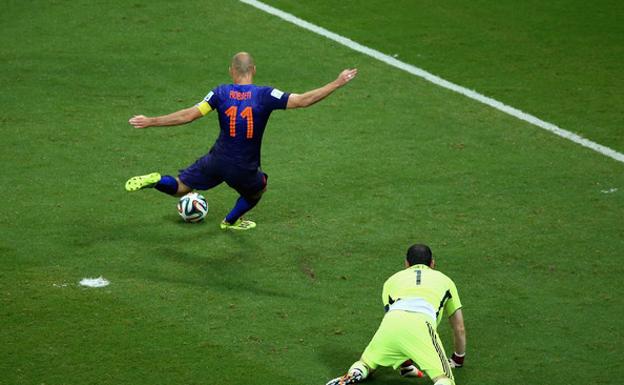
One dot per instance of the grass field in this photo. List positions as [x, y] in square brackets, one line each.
[529, 225]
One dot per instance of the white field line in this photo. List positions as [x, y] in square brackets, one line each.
[437, 80]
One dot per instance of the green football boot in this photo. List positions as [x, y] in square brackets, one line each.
[142, 181]
[240, 224]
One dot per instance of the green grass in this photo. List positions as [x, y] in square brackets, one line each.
[556, 60]
[517, 216]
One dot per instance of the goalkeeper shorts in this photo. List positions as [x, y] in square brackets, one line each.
[406, 335]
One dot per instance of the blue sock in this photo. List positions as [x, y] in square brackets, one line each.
[167, 184]
[241, 207]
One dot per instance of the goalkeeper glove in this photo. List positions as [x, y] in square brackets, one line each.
[408, 369]
[457, 360]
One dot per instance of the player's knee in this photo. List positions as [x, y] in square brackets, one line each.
[256, 197]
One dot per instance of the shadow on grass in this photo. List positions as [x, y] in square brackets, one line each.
[226, 273]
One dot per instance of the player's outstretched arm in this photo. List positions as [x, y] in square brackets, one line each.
[184, 116]
[459, 338]
[309, 98]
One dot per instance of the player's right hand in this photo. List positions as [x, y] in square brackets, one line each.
[346, 76]
[457, 361]
[139, 121]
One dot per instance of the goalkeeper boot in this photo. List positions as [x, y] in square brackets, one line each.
[353, 377]
[142, 181]
[240, 224]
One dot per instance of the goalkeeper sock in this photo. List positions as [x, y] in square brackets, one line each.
[241, 207]
[167, 184]
[444, 381]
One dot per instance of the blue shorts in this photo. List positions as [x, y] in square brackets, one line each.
[209, 171]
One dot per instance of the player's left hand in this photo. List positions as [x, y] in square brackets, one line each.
[346, 76]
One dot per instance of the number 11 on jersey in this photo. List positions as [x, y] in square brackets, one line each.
[246, 114]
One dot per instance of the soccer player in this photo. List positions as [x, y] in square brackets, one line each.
[415, 299]
[244, 109]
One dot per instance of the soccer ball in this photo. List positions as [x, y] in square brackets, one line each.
[193, 207]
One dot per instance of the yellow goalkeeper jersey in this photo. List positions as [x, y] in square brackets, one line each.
[423, 290]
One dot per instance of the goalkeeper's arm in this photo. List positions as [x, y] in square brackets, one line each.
[459, 339]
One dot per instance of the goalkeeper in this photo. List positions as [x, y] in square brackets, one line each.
[415, 299]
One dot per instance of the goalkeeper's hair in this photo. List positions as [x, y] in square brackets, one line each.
[419, 255]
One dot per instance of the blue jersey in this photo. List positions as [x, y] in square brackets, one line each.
[243, 114]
